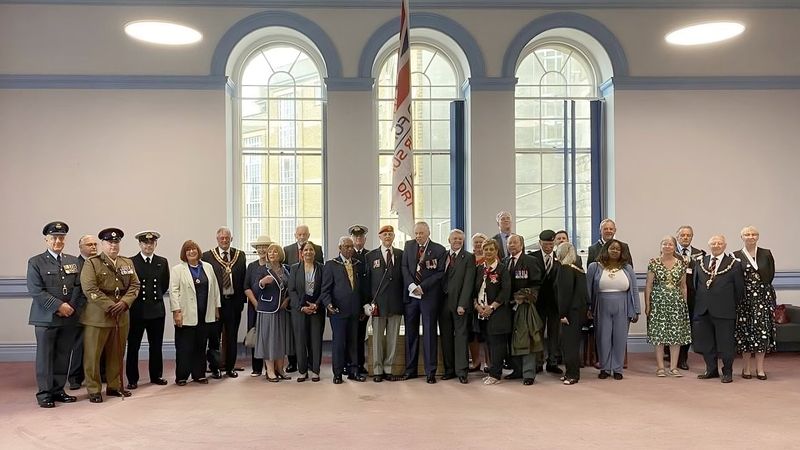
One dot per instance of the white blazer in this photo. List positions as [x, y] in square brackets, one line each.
[183, 294]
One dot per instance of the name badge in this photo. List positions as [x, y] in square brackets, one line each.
[126, 270]
[521, 274]
[431, 264]
[376, 264]
[70, 268]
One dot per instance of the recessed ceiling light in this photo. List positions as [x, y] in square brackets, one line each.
[705, 33]
[159, 32]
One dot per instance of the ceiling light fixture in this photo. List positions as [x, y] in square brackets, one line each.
[705, 33]
[160, 32]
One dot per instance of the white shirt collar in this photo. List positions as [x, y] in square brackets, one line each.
[53, 254]
[457, 252]
[144, 257]
[221, 251]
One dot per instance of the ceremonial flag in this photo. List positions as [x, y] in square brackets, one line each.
[403, 159]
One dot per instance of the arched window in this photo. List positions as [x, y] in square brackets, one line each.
[435, 82]
[281, 126]
[552, 141]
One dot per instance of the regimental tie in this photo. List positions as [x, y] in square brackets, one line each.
[226, 280]
[548, 263]
[389, 262]
[348, 266]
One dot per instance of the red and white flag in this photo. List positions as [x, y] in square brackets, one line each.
[403, 160]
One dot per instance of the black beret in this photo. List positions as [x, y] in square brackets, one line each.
[547, 235]
[110, 234]
[55, 228]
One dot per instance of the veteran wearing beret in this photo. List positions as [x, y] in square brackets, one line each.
[110, 284]
[148, 312]
[55, 286]
[358, 233]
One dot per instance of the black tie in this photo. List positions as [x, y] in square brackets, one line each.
[685, 252]
[58, 260]
[147, 260]
[513, 264]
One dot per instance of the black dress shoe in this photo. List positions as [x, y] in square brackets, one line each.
[513, 376]
[448, 376]
[74, 386]
[485, 369]
[747, 376]
[683, 366]
[282, 376]
[603, 374]
[132, 386]
[231, 374]
[359, 378]
[64, 398]
[762, 376]
[708, 375]
[431, 379]
[315, 379]
[201, 380]
[554, 369]
[291, 368]
[377, 378]
[159, 381]
[726, 379]
[463, 379]
[527, 381]
[47, 403]
[116, 393]
[216, 374]
[337, 379]
[180, 382]
[618, 376]
[407, 376]
[95, 398]
[303, 377]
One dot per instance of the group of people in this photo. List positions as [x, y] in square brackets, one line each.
[498, 306]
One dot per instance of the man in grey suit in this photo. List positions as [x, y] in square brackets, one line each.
[455, 317]
[608, 229]
[293, 251]
[55, 285]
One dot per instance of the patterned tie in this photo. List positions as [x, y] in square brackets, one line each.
[548, 263]
[389, 262]
[713, 267]
[348, 266]
[226, 279]
[420, 254]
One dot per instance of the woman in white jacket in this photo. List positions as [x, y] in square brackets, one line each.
[194, 300]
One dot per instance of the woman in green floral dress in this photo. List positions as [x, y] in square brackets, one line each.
[665, 306]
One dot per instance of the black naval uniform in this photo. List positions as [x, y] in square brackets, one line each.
[148, 314]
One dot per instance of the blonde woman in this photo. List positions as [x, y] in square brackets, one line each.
[665, 306]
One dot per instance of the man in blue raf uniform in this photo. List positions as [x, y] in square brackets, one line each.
[147, 312]
[358, 233]
[342, 296]
[55, 285]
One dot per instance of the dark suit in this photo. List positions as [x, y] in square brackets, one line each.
[594, 251]
[231, 310]
[501, 249]
[361, 355]
[75, 375]
[714, 313]
[307, 328]
[50, 284]
[385, 290]
[293, 255]
[526, 276]
[573, 301]
[547, 306]
[147, 314]
[499, 325]
[454, 328]
[691, 263]
[348, 299]
[431, 271]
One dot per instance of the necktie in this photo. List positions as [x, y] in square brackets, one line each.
[226, 277]
[513, 264]
[548, 263]
[452, 260]
[389, 262]
[300, 252]
[147, 260]
[713, 267]
[348, 266]
[58, 260]
[420, 253]
[685, 252]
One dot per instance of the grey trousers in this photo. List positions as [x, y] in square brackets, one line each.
[76, 360]
[528, 365]
[384, 343]
[612, 330]
[53, 347]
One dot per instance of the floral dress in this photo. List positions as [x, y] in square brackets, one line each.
[755, 328]
[669, 315]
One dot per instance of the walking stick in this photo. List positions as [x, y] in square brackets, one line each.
[118, 337]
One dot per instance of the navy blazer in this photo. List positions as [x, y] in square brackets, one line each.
[431, 268]
[46, 284]
[297, 286]
[337, 291]
[528, 273]
[383, 287]
[726, 290]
